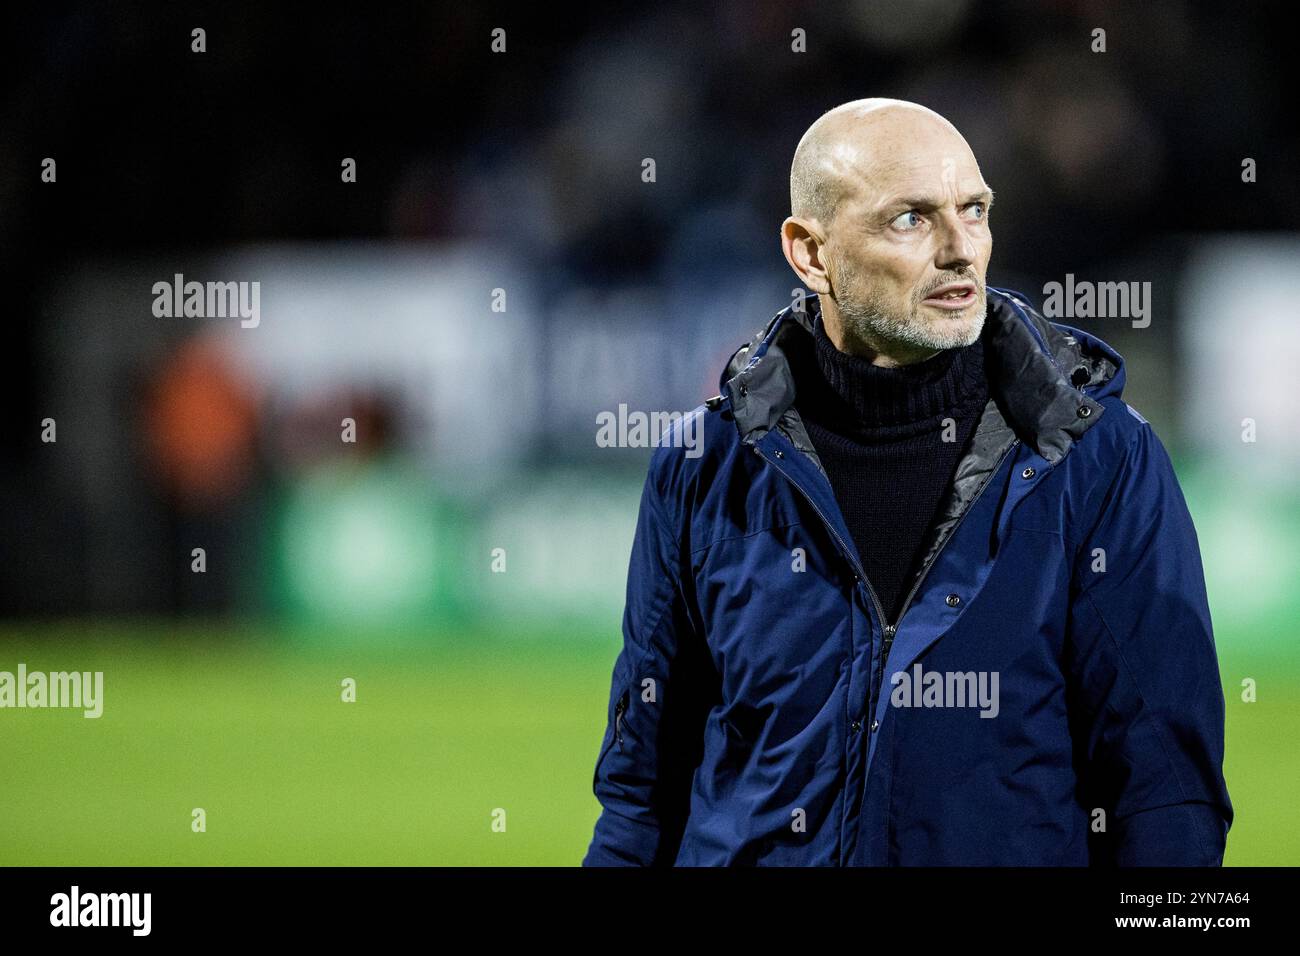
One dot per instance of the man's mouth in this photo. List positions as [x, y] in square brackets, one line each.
[953, 296]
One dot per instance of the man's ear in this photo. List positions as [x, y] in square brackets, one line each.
[803, 243]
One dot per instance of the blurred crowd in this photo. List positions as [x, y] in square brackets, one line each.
[1103, 147]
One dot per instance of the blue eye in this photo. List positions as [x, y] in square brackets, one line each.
[978, 207]
[903, 222]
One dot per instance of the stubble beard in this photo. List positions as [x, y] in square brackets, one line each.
[869, 318]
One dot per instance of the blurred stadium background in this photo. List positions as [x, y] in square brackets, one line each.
[476, 428]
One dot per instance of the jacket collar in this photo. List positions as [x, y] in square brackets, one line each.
[1037, 373]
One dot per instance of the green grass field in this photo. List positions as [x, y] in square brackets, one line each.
[251, 729]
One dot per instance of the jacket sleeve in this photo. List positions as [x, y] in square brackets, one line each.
[1148, 705]
[658, 702]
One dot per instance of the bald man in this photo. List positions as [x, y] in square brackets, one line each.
[929, 592]
[889, 206]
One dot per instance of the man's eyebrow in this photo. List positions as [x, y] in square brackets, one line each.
[929, 203]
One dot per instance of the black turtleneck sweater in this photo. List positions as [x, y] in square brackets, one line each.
[879, 434]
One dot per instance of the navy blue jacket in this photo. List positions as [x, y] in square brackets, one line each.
[763, 712]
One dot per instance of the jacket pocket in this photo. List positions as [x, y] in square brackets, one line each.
[616, 735]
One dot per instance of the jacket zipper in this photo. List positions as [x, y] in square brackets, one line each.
[619, 708]
[617, 739]
[891, 629]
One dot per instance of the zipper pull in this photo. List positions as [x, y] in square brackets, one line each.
[890, 631]
[619, 708]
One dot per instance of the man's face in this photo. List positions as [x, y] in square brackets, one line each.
[909, 246]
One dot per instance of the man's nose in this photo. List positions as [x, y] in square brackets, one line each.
[956, 250]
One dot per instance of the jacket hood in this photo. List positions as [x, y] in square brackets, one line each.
[1046, 379]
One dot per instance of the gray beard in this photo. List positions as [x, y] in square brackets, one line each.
[868, 319]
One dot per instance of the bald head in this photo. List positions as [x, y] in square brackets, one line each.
[889, 226]
[854, 143]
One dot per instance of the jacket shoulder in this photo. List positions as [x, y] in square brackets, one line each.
[691, 452]
[696, 438]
